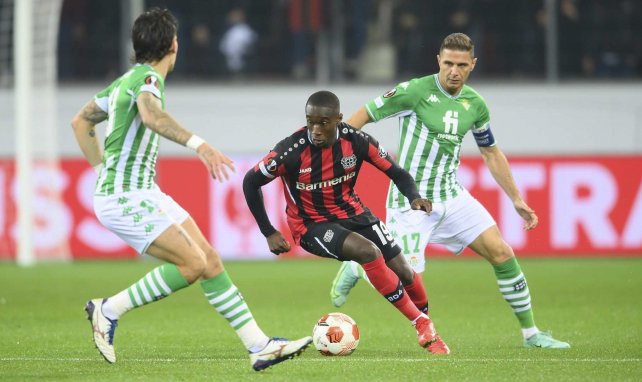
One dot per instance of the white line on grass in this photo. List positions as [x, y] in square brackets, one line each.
[326, 359]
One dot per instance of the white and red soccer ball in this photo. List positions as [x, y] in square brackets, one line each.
[335, 334]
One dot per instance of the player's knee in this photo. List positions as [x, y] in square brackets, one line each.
[195, 267]
[500, 253]
[406, 275]
[369, 252]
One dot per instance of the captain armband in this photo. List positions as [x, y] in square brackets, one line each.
[484, 136]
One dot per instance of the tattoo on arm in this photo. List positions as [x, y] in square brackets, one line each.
[92, 132]
[164, 124]
[92, 113]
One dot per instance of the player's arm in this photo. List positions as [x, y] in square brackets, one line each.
[254, 179]
[163, 123]
[84, 126]
[359, 118]
[498, 166]
[381, 159]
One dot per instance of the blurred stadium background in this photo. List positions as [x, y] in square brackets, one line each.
[561, 77]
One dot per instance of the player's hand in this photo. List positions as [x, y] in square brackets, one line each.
[216, 162]
[527, 213]
[277, 243]
[422, 204]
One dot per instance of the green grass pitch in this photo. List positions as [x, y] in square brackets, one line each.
[595, 304]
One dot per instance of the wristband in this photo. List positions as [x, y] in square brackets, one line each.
[98, 168]
[194, 142]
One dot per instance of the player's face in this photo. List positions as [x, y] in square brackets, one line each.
[322, 124]
[454, 68]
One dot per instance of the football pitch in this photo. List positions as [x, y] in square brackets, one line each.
[594, 304]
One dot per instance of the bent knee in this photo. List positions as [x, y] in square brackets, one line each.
[194, 267]
[500, 253]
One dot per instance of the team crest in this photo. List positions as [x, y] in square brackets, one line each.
[382, 152]
[390, 93]
[329, 234]
[349, 162]
[465, 104]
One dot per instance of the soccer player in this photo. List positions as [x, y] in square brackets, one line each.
[129, 203]
[318, 165]
[435, 112]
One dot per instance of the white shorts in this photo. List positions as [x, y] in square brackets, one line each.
[454, 223]
[138, 217]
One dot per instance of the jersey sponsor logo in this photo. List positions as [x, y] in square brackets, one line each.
[329, 234]
[305, 170]
[325, 183]
[349, 162]
[382, 152]
[451, 121]
[151, 80]
[433, 98]
[390, 93]
[449, 137]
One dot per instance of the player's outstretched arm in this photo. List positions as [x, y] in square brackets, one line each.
[158, 120]
[252, 183]
[84, 125]
[498, 166]
[359, 119]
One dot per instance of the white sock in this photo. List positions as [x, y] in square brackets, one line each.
[117, 305]
[252, 337]
[529, 332]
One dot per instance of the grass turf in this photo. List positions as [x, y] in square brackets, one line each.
[592, 303]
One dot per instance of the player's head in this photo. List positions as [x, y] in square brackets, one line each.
[154, 36]
[456, 60]
[322, 112]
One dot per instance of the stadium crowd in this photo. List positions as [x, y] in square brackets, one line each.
[280, 39]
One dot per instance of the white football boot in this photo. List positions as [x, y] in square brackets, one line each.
[103, 329]
[278, 350]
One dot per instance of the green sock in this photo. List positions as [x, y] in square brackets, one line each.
[227, 300]
[512, 285]
[160, 282]
[223, 295]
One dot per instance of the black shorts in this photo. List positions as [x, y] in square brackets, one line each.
[326, 239]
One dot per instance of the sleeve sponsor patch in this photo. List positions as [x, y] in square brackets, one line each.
[390, 93]
[151, 80]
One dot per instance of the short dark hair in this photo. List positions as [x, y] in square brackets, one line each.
[458, 41]
[152, 35]
[324, 98]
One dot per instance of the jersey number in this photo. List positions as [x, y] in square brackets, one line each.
[382, 232]
[451, 122]
[413, 237]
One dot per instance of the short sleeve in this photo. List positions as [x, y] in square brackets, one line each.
[397, 101]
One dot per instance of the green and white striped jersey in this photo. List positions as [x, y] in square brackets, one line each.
[432, 124]
[130, 147]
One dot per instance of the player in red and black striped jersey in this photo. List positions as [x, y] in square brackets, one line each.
[318, 166]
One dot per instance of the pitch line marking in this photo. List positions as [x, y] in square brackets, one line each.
[452, 360]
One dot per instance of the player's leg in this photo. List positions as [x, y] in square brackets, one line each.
[334, 241]
[513, 286]
[140, 220]
[469, 224]
[386, 282]
[225, 297]
[412, 231]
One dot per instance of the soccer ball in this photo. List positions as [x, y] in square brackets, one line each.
[335, 334]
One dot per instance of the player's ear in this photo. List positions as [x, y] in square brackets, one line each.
[473, 65]
[340, 117]
[174, 48]
[438, 59]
